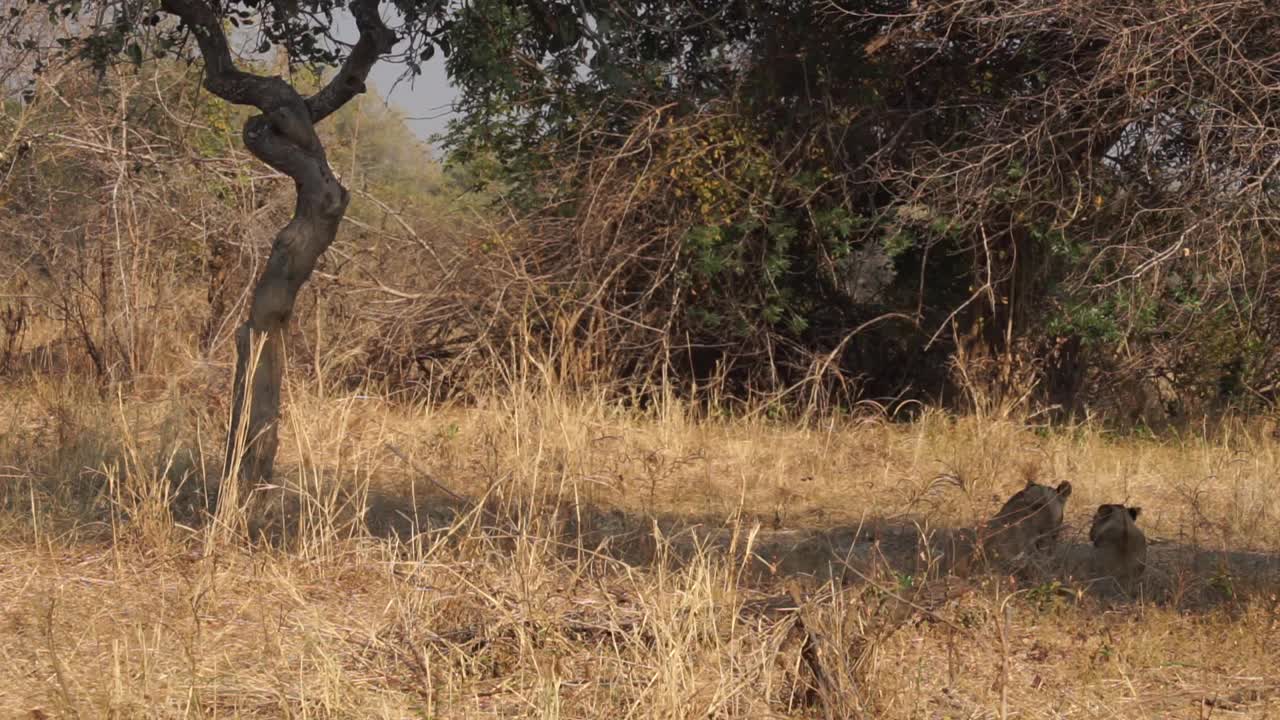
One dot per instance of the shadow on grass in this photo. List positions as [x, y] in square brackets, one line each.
[901, 553]
[1185, 576]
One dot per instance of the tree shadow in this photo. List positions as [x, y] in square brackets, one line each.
[1185, 576]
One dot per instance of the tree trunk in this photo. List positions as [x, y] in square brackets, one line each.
[284, 137]
[260, 341]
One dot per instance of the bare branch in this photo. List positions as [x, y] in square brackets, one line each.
[222, 77]
[376, 40]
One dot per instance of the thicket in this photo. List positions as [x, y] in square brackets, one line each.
[1007, 206]
[1010, 207]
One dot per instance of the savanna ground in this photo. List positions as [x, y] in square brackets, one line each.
[546, 557]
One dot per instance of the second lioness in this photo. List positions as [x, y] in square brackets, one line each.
[1120, 547]
[1030, 520]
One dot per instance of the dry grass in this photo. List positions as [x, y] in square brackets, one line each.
[599, 562]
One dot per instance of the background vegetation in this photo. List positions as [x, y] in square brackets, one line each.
[606, 414]
[1056, 212]
[1055, 207]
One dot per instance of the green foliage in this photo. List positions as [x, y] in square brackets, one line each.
[1094, 322]
[763, 177]
[108, 32]
[1048, 596]
[836, 225]
[899, 241]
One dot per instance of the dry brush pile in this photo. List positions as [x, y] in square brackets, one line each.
[137, 225]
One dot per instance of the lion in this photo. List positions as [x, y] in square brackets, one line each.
[1030, 521]
[1120, 547]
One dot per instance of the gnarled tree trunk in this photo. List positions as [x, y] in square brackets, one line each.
[284, 137]
[260, 341]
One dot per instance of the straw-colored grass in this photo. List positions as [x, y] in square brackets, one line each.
[545, 557]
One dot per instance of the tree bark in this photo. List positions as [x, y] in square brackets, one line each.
[284, 137]
[260, 341]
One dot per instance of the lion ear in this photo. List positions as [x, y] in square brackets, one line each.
[1134, 512]
[1064, 489]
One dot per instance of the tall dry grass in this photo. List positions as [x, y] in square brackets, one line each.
[544, 555]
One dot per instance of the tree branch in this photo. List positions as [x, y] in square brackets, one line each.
[222, 77]
[282, 106]
[376, 40]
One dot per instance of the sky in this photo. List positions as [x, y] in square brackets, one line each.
[426, 100]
